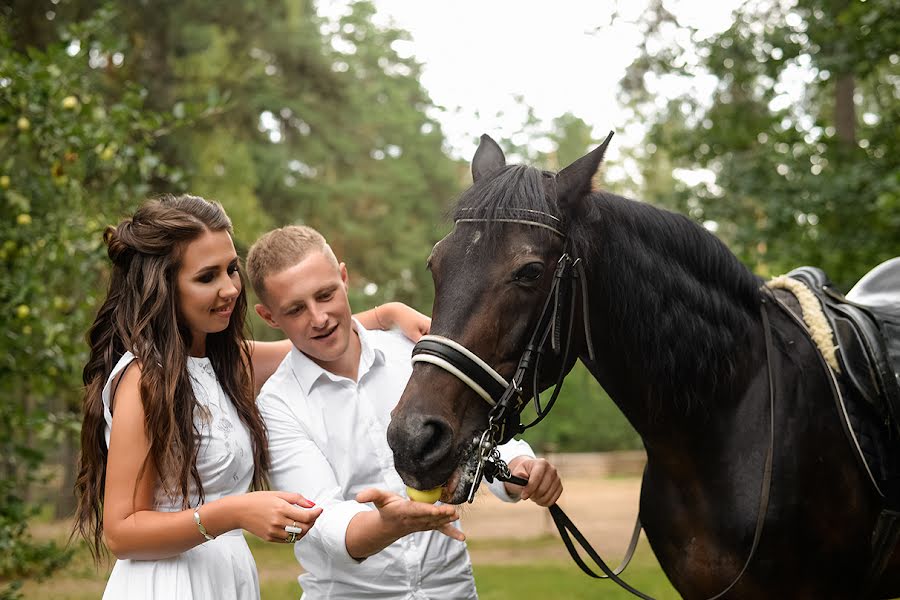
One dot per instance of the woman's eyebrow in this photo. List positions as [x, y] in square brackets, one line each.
[206, 268]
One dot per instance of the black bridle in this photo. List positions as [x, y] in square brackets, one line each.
[507, 399]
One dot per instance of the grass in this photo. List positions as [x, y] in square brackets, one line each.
[541, 581]
[534, 575]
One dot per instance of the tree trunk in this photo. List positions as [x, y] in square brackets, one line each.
[845, 110]
[65, 498]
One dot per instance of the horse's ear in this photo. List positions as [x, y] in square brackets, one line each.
[488, 158]
[574, 182]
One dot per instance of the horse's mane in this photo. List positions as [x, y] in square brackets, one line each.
[681, 303]
[689, 303]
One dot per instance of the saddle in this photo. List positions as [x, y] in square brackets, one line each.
[866, 326]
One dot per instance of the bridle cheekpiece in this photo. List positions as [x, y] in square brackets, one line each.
[507, 398]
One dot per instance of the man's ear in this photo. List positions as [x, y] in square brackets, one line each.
[263, 311]
[344, 276]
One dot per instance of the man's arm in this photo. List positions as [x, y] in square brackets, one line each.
[347, 530]
[373, 531]
[544, 485]
[299, 464]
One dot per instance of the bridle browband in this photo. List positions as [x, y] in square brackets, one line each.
[520, 216]
[507, 399]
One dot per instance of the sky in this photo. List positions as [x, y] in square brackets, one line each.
[558, 55]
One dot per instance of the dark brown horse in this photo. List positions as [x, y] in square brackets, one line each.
[677, 325]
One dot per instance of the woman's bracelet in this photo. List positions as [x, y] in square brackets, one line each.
[200, 526]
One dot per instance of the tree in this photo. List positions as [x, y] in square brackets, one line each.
[796, 147]
[73, 159]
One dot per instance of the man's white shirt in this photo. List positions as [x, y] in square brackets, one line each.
[328, 441]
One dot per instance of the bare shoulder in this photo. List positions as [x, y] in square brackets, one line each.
[125, 388]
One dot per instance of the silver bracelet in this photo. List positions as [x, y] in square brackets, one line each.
[200, 526]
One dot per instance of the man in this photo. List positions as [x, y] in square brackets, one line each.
[327, 409]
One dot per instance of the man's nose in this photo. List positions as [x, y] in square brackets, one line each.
[318, 315]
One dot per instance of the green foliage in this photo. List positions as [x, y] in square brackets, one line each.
[280, 115]
[583, 419]
[798, 139]
[323, 122]
[73, 159]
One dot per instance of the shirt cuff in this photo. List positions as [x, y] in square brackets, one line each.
[508, 451]
[331, 529]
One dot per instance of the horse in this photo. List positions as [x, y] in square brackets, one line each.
[750, 486]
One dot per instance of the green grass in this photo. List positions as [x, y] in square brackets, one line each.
[543, 581]
[502, 572]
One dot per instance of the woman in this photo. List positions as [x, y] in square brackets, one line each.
[171, 439]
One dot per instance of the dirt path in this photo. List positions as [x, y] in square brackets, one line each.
[603, 510]
[601, 493]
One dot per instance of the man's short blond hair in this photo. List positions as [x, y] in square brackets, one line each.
[281, 249]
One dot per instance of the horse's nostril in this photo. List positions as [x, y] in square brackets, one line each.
[420, 443]
[432, 443]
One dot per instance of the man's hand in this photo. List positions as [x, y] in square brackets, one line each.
[402, 516]
[544, 485]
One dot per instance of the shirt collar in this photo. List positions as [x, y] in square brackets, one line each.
[308, 373]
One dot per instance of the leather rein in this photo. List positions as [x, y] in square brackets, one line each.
[507, 399]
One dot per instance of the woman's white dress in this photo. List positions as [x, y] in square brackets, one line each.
[222, 568]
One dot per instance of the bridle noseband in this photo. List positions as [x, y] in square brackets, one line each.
[507, 398]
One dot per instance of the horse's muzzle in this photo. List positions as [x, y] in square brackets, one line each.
[422, 447]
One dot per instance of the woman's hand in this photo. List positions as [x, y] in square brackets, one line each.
[411, 322]
[266, 514]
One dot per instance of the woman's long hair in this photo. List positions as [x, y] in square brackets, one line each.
[140, 314]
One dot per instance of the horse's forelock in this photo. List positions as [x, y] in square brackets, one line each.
[517, 187]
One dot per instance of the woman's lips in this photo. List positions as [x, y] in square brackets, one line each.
[224, 311]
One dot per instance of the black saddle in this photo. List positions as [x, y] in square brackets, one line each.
[866, 325]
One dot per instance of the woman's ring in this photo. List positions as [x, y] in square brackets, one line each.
[293, 529]
[291, 538]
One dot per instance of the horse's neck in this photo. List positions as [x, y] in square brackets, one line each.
[671, 310]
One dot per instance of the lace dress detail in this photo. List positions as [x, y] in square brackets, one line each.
[222, 568]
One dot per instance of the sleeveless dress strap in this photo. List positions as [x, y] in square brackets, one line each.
[109, 390]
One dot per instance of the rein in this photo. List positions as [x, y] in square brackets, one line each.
[507, 400]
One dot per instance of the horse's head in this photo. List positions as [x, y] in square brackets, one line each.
[492, 275]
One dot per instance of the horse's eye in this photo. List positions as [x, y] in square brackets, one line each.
[530, 272]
